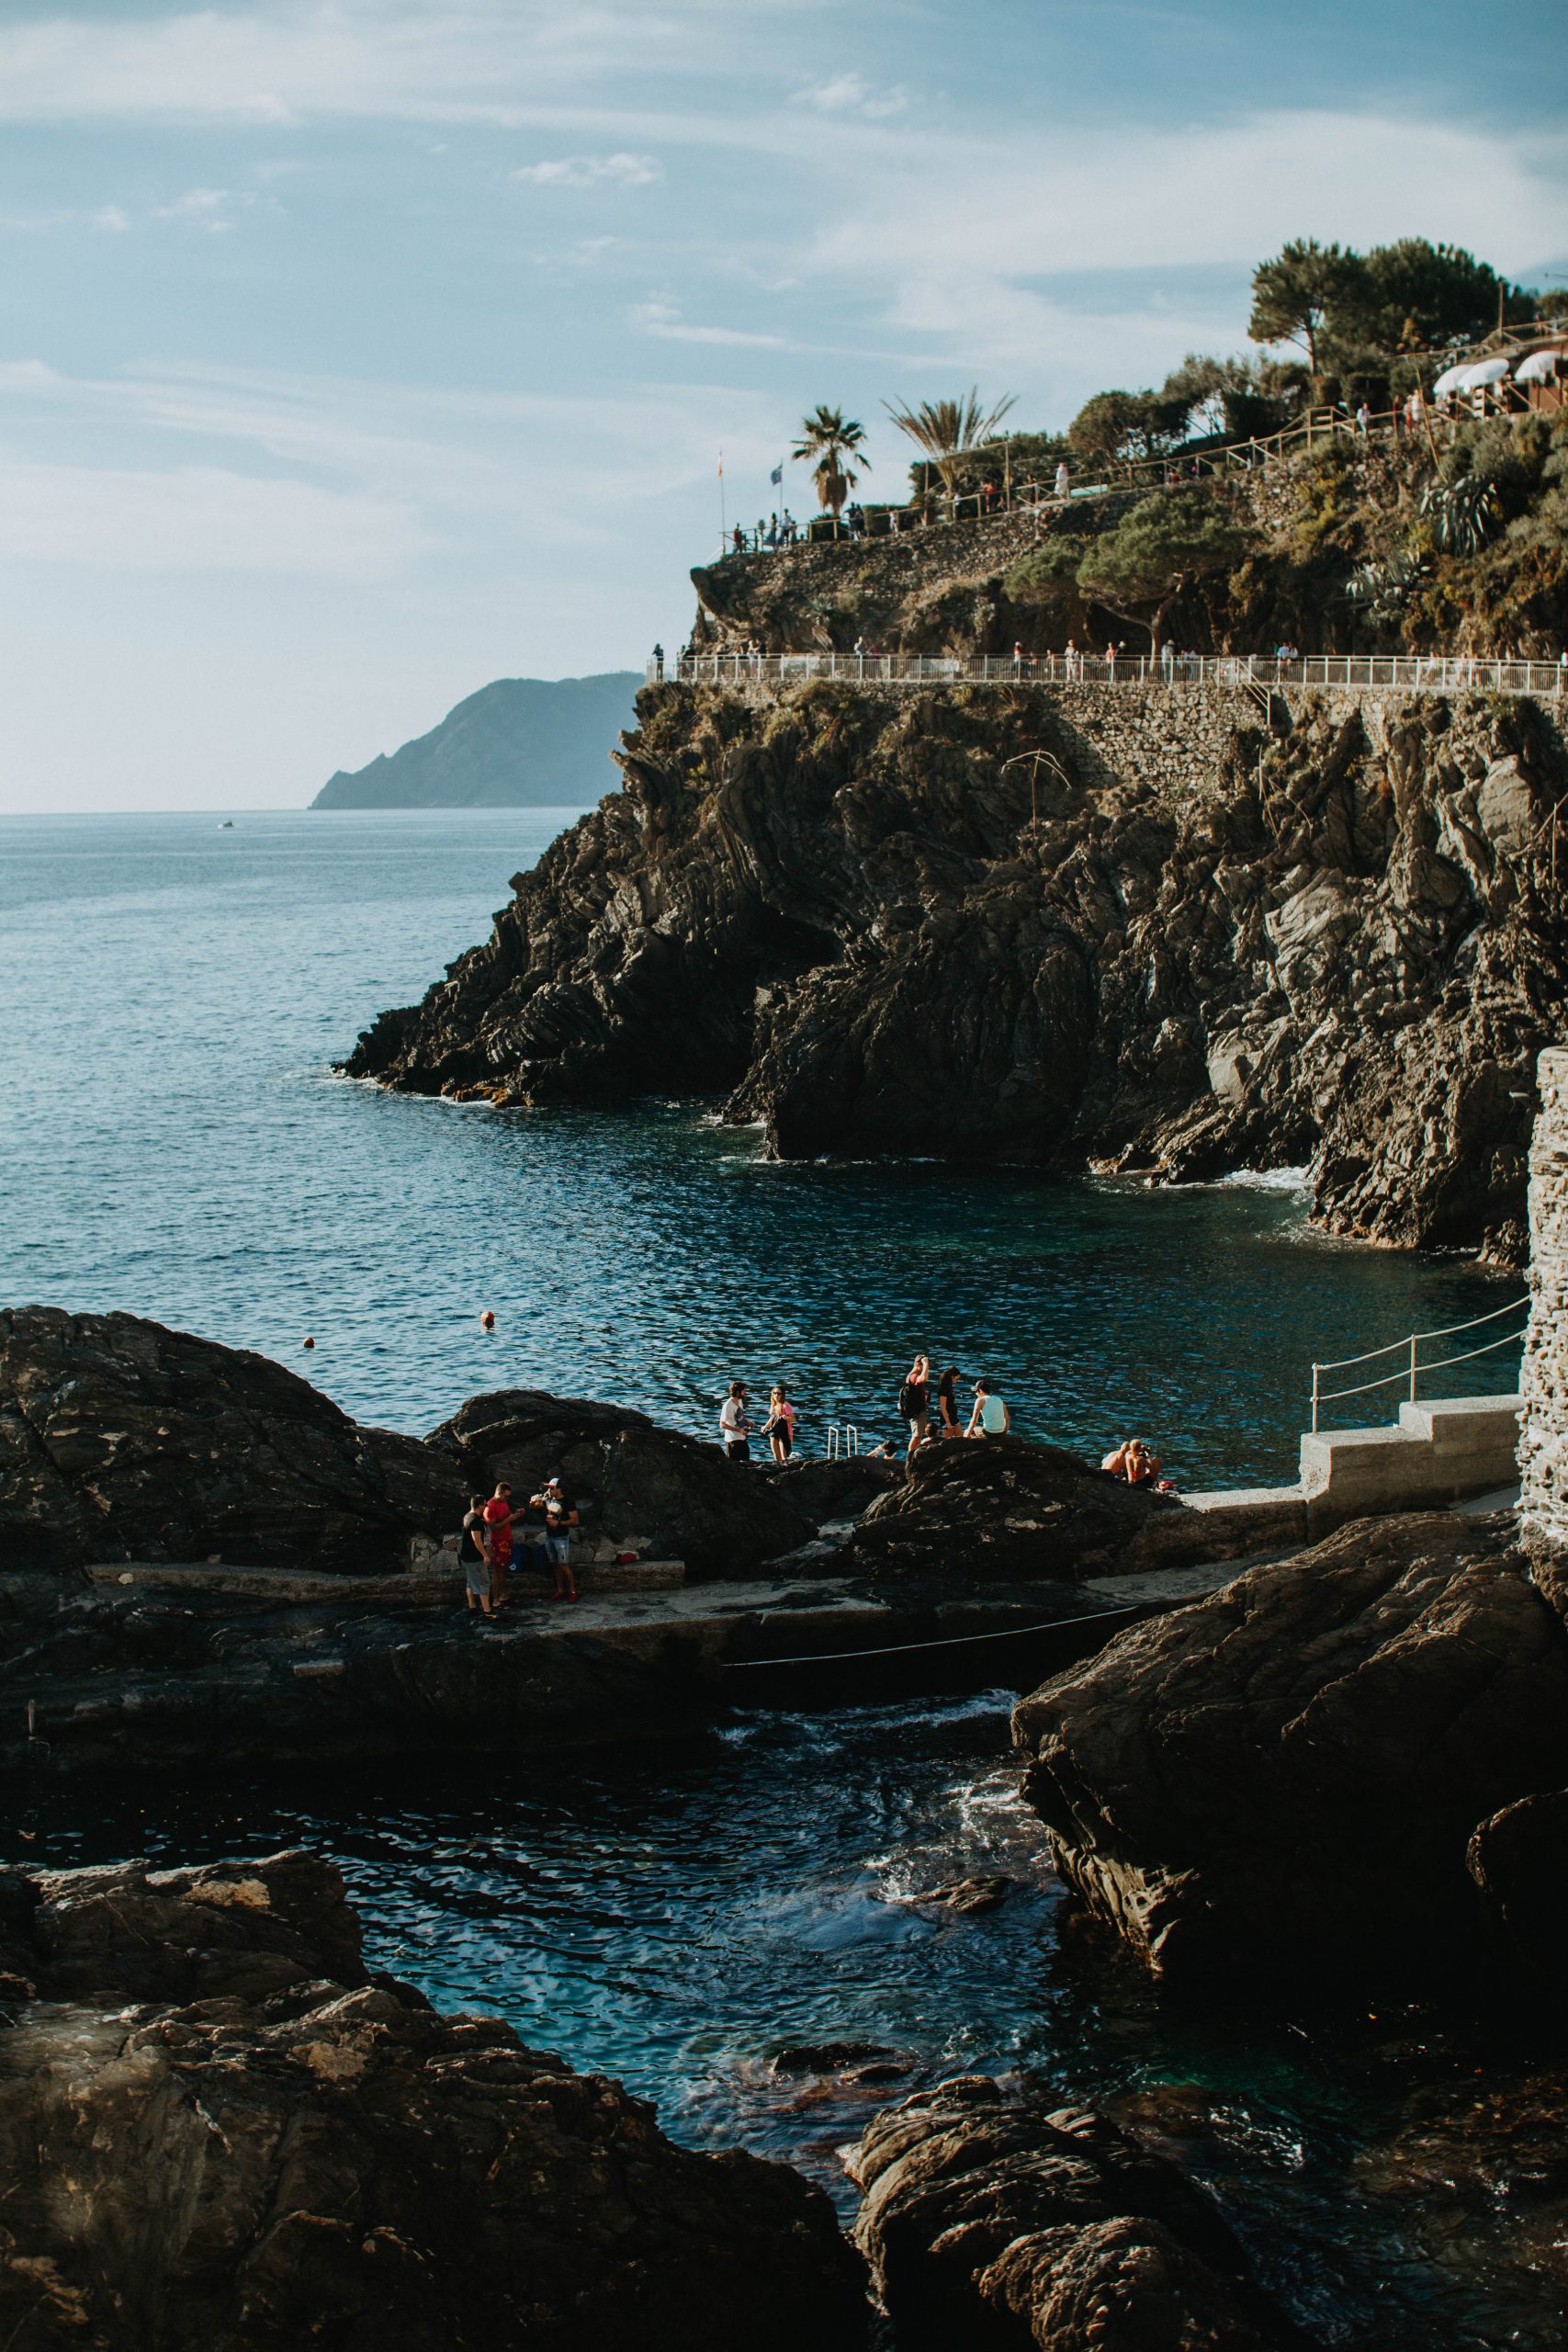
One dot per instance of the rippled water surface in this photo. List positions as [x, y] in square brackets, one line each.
[174, 1142]
[675, 1917]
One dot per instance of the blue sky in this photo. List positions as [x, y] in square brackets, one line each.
[356, 352]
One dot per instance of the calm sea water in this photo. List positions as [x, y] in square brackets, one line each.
[174, 1143]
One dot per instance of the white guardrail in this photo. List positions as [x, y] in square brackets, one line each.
[1400, 672]
[1411, 1367]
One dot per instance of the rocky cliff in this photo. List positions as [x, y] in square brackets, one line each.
[1195, 933]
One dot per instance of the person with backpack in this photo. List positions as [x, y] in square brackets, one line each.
[915, 1403]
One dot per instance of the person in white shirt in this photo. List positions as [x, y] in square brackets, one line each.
[734, 1427]
[991, 1416]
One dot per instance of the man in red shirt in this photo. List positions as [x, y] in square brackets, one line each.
[498, 1539]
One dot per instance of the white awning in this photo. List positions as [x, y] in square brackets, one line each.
[1541, 368]
[1485, 371]
[1450, 380]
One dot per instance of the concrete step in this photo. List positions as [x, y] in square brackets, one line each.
[1441, 1451]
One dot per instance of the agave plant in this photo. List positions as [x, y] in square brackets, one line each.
[944, 429]
[1460, 513]
[831, 438]
[1382, 590]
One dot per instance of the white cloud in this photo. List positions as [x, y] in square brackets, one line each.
[213, 210]
[663, 319]
[110, 219]
[289, 60]
[594, 171]
[849, 94]
[196, 519]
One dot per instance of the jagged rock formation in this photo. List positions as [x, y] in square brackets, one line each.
[1192, 936]
[217, 2130]
[1283, 1779]
[518, 743]
[997, 2222]
[682, 1501]
[122, 1440]
[1006, 1508]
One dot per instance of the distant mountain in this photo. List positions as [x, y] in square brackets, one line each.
[520, 743]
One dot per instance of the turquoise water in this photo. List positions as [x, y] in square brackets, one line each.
[175, 1143]
[673, 1917]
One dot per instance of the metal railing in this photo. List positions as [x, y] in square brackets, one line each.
[1412, 1368]
[1374, 672]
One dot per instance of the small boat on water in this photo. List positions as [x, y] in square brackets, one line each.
[227, 826]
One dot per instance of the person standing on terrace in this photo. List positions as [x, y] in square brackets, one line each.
[1064, 480]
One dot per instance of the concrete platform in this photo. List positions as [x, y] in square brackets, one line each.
[435, 1587]
[1441, 1451]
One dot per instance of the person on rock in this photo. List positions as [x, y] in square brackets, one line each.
[949, 1423]
[915, 1402]
[560, 1517]
[476, 1558]
[498, 1542]
[1133, 1464]
[734, 1427]
[991, 1416]
[779, 1427]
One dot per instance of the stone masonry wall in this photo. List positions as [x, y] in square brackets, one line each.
[1544, 1444]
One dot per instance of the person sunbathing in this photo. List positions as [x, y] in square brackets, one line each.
[1133, 1464]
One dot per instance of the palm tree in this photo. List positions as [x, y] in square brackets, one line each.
[946, 429]
[831, 438]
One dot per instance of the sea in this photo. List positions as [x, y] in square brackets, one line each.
[174, 1141]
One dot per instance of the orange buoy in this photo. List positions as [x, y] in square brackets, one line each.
[307, 1344]
[487, 1319]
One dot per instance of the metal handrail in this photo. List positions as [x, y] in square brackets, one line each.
[1447, 1331]
[1447, 673]
[1415, 1368]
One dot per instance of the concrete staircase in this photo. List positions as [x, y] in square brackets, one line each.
[1438, 1452]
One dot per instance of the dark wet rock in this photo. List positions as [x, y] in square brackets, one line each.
[838, 1489]
[1519, 1861]
[1005, 1508]
[1474, 2174]
[1283, 1779]
[996, 2222]
[827, 2057]
[969, 1897]
[683, 1499]
[120, 1440]
[1225, 940]
[215, 2129]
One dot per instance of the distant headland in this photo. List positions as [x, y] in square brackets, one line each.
[518, 743]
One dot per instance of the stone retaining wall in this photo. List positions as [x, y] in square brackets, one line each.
[1544, 1444]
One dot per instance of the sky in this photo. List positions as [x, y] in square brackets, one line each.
[356, 352]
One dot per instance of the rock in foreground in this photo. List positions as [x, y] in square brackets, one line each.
[991, 2223]
[217, 2132]
[120, 1440]
[1285, 1776]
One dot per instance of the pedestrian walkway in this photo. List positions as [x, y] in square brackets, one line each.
[1252, 672]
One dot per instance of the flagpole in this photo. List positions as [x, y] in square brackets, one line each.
[723, 533]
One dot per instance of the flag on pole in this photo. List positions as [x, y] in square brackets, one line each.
[721, 465]
[776, 477]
